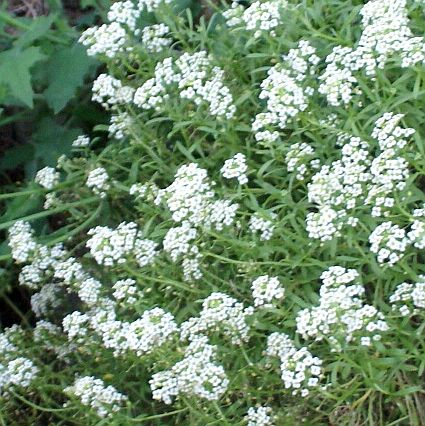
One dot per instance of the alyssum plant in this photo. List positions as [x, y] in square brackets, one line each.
[247, 248]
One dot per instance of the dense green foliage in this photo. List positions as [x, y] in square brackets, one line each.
[195, 240]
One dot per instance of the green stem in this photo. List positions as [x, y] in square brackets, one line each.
[38, 407]
[158, 416]
[46, 213]
[16, 310]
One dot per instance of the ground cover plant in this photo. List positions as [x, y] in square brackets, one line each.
[246, 248]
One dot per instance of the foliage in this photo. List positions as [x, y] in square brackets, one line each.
[247, 232]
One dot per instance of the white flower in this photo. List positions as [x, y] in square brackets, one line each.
[104, 400]
[260, 416]
[389, 242]
[98, 181]
[235, 167]
[154, 38]
[108, 39]
[409, 299]
[114, 246]
[195, 79]
[151, 5]
[110, 92]
[300, 370]
[223, 313]
[197, 374]
[260, 224]
[259, 17]
[48, 177]
[266, 291]
[341, 317]
[81, 141]
[124, 12]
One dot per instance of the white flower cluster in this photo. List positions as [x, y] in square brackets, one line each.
[260, 416]
[108, 39]
[389, 242]
[124, 13]
[14, 370]
[409, 299]
[75, 325]
[92, 392]
[141, 336]
[98, 181]
[81, 141]
[416, 235]
[389, 171]
[336, 189]
[126, 292]
[47, 177]
[300, 370]
[235, 167]
[120, 125]
[260, 17]
[220, 313]
[114, 246]
[337, 82]
[21, 241]
[385, 35]
[190, 198]
[154, 38]
[262, 225]
[195, 79]
[341, 316]
[148, 191]
[358, 179]
[19, 371]
[297, 158]
[152, 5]
[197, 374]
[43, 263]
[284, 91]
[266, 291]
[48, 298]
[50, 337]
[110, 92]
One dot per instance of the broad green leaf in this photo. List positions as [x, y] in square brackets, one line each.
[51, 140]
[38, 28]
[65, 71]
[15, 65]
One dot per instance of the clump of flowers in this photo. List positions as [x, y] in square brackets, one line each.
[104, 400]
[341, 316]
[235, 167]
[389, 242]
[98, 181]
[409, 299]
[261, 17]
[195, 79]
[47, 177]
[266, 291]
[264, 226]
[242, 153]
[260, 416]
[220, 313]
[197, 374]
[114, 246]
[300, 370]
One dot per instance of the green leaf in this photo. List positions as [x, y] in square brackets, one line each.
[66, 70]
[15, 65]
[38, 28]
[51, 140]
